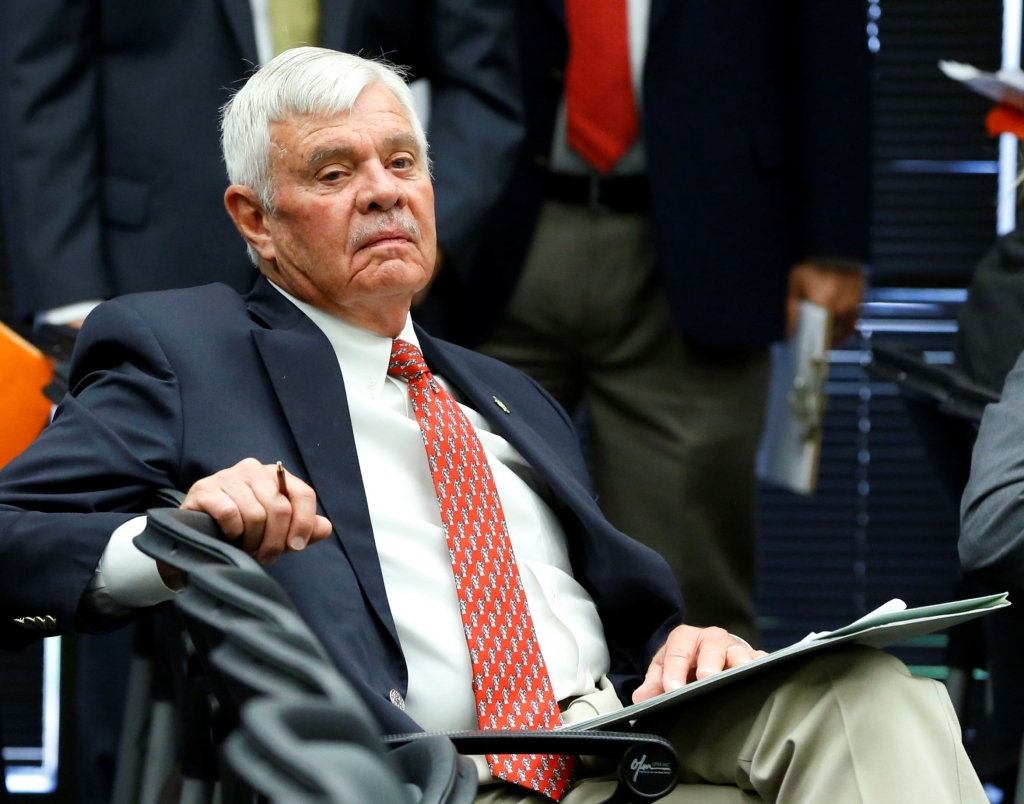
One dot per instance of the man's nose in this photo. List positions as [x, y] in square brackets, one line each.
[379, 190]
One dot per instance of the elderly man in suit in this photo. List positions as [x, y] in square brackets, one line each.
[437, 527]
[109, 111]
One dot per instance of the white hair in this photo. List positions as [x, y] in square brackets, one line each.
[302, 81]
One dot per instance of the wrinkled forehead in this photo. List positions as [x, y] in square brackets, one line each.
[377, 122]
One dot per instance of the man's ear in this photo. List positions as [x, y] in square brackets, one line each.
[246, 210]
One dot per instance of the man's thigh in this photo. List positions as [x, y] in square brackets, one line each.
[596, 791]
[847, 726]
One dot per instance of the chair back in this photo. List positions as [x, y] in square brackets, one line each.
[261, 659]
[304, 750]
[255, 649]
[222, 602]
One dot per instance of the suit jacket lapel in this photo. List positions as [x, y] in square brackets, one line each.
[304, 371]
[239, 14]
[658, 9]
[510, 426]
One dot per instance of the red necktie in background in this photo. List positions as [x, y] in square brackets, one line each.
[601, 116]
[510, 680]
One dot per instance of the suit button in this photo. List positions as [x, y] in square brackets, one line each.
[397, 699]
[557, 75]
[541, 160]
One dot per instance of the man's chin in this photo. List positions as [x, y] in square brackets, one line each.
[391, 277]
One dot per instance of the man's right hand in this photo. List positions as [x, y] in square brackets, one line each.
[248, 505]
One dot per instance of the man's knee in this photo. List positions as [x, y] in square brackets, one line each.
[855, 671]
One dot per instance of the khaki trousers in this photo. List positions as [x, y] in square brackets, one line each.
[675, 427]
[850, 726]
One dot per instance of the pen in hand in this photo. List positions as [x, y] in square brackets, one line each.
[281, 485]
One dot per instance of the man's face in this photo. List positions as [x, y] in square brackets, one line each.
[354, 207]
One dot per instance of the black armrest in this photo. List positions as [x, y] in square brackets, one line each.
[647, 765]
[187, 540]
[305, 751]
[948, 388]
[170, 498]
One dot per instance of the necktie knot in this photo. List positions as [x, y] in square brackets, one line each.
[406, 361]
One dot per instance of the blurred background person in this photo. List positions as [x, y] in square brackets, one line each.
[110, 170]
[110, 147]
[691, 171]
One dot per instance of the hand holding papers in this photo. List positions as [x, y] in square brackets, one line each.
[887, 625]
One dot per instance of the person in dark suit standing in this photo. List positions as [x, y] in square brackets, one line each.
[691, 172]
[109, 111]
[436, 526]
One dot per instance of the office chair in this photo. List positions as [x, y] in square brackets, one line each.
[256, 644]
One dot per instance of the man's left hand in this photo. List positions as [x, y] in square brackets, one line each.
[840, 290]
[691, 654]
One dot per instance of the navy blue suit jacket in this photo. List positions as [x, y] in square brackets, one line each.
[170, 387]
[756, 122]
[110, 162]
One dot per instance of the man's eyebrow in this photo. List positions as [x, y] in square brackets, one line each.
[400, 141]
[329, 153]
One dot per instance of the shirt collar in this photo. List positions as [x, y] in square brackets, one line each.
[362, 355]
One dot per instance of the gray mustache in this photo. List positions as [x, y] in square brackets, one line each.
[365, 232]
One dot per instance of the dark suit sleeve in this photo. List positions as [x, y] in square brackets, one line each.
[824, 45]
[475, 117]
[49, 152]
[115, 439]
[992, 511]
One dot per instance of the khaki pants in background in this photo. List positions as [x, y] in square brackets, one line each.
[675, 426]
[849, 726]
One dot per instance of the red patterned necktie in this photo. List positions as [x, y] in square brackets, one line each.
[510, 680]
[601, 115]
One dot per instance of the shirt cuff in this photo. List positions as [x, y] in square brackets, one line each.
[58, 316]
[129, 576]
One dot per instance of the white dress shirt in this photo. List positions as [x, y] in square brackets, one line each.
[413, 549]
[564, 158]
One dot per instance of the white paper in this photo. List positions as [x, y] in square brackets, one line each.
[1005, 86]
[791, 444]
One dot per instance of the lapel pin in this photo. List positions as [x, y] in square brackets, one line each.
[500, 404]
